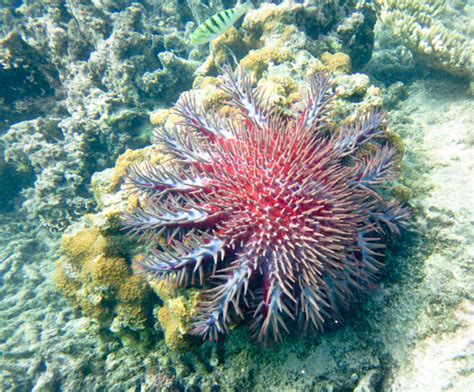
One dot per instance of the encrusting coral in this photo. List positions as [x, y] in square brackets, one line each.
[95, 276]
[286, 213]
[175, 314]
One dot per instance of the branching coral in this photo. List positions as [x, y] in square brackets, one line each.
[286, 214]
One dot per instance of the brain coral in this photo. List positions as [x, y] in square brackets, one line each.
[285, 213]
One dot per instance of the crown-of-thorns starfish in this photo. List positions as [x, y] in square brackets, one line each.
[285, 214]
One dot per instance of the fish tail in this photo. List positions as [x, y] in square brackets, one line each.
[247, 5]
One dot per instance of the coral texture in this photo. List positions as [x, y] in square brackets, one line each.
[437, 31]
[95, 277]
[409, 326]
[284, 212]
[90, 72]
[175, 315]
[79, 80]
[412, 333]
[315, 26]
[273, 32]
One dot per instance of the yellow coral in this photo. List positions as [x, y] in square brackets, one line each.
[86, 298]
[159, 116]
[339, 63]
[174, 319]
[132, 314]
[215, 100]
[108, 272]
[257, 60]
[316, 67]
[93, 306]
[66, 283]
[212, 96]
[280, 91]
[99, 283]
[283, 85]
[83, 244]
[271, 17]
[131, 157]
[226, 46]
[204, 82]
[176, 313]
[164, 289]
[133, 290]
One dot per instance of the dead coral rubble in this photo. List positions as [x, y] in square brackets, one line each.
[95, 69]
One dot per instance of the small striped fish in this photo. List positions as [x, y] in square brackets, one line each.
[218, 24]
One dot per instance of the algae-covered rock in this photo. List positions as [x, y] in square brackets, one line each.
[77, 82]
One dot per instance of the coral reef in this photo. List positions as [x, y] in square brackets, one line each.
[413, 333]
[44, 344]
[175, 315]
[94, 72]
[391, 61]
[96, 278]
[272, 32]
[287, 212]
[12, 183]
[316, 27]
[95, 273]
[112, 198]
[54, 159]
[437, 31]
[281, 78]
